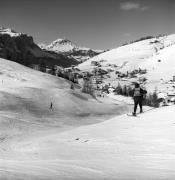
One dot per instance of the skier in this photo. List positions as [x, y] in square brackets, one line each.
[139, 94]
[51, 105]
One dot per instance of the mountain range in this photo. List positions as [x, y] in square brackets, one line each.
[21, 48]
[70, 49]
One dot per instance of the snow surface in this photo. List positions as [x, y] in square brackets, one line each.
[120, 98]
[121, 148]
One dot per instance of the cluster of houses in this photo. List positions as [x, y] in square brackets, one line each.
[71, 73]
[132, 74]
[95, 63]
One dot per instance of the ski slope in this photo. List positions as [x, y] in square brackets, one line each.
[28, 93]
[121, 148]
[25, 114]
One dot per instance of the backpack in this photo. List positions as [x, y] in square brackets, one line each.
[137, 92]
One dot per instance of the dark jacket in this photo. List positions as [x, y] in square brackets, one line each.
[139, 92]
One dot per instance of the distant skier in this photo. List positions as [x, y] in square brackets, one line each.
[51, 105]
[139, 94]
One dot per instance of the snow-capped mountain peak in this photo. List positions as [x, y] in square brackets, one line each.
[67, 47]
[62, 41]
[61, 45]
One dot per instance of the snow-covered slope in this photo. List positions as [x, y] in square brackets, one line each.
[161, 65]
[20, 85]
[133, 54]
[25, 113]
[26, 95]
[156, 55]
[65, 46]
[125, 147]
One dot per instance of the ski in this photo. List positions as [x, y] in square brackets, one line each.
[133, 115]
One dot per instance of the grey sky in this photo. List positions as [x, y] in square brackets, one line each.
[99, 24]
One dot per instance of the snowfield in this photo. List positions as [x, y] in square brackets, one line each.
[25, 116]
[121, 148]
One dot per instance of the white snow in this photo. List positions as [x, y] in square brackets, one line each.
[61, 45]
[165, 68]
[121, 148]
[120, 98]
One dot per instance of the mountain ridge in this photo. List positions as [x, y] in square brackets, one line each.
[71, 49]
[21, 48]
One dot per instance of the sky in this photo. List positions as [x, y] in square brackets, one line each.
[98, 24]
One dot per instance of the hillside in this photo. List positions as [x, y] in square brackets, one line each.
[154, 56]
[26, 96]
[70, 49]
[29, 92]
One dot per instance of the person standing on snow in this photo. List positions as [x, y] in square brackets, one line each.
[51, 105]
[138, 98]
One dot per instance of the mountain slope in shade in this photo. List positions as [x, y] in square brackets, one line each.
[66, 47]
[21, 48]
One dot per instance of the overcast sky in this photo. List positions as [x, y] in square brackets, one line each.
[99, 24]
